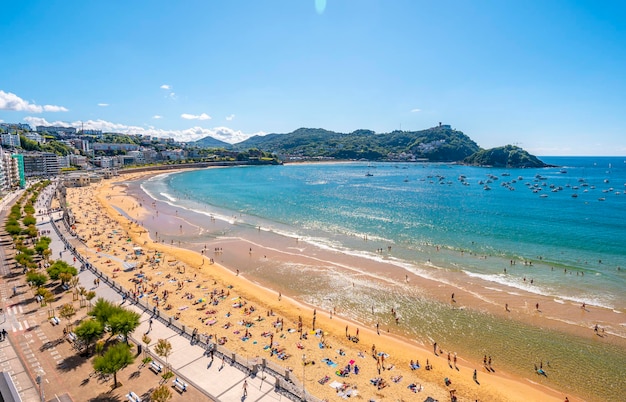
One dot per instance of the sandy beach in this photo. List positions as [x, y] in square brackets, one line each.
[208, 289]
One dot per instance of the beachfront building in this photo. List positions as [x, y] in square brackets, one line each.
[80, 179]
[173, 155]
[79, 161]
[106, 162]
[13, 168]
[138, 157]
[41, 164]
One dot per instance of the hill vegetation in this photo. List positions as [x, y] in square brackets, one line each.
[440, 143]
[506, 156]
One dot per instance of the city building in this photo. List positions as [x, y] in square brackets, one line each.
[41, 164]
[56, 130]
[10, 140]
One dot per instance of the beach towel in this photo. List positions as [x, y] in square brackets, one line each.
[323, 380]
[335, 384]
[329, 362]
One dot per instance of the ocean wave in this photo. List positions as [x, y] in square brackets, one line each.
[512, 282]
[169, 197]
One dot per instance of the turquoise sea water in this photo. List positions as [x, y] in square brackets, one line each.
[428, 214]
[414, 206]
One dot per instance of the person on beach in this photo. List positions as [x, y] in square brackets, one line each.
[475, 376]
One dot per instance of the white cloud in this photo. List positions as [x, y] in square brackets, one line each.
[165, 86]
[416, 110]
[225, 134]
[156, 116]
[202, 116]
[10, 101]
[103, 104]
[230, 117]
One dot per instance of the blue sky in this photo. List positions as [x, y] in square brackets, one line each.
[547, 75]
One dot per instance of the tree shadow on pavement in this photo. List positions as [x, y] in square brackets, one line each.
[106, 398]
[51, 344]
[71, 363]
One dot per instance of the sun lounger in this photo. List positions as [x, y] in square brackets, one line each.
[133, 397]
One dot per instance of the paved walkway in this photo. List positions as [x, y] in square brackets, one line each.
[220, 382]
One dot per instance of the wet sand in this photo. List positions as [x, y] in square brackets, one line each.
[200, 278]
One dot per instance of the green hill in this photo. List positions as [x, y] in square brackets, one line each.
[440, 143]
[506, 156]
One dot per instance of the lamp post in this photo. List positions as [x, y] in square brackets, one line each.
[38, 381]
[303, 378]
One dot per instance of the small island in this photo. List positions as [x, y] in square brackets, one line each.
[509, 156]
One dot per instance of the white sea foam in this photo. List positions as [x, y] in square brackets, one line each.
[169, 197]
[513, 282]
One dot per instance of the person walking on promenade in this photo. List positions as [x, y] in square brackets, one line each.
[245, 388]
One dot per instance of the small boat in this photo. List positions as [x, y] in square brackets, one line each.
[574, 195]
[601, 199]
[368, 174]
[486, 187]
[562, 171]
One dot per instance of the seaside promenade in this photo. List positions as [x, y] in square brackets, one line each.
[219, 378]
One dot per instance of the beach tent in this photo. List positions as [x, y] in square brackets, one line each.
[430, 399]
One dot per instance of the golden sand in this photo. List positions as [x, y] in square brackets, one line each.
[244, 308]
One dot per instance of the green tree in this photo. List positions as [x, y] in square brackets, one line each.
[42, 245]
[31, 231]
[59, 267]
[38, 279]
[67, 311]
[24, 259]
[161, 394]
[124, 322]
[146, 340]
[13, 228]
[90, 295]
[102, 310]
[88, 331]
[163, 348]
[114, 359]
[29, 220]
[47, 296]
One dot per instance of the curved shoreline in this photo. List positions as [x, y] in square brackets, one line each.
[399, 344]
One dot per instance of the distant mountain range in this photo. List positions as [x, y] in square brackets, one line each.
[436, 144]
